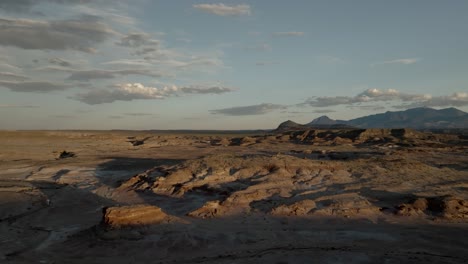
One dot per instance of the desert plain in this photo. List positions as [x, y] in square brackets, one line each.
[312, 196]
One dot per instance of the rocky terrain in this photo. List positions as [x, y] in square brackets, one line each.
[302, 196]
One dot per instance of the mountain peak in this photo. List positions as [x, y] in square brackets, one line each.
[289, 122]
[289, 125]
[323, 120]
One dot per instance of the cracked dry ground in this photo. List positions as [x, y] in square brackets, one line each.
[361, 196]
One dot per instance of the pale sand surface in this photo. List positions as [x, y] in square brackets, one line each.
[375, 196]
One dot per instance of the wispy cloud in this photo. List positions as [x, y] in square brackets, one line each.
[60, 62]
[87, 75]
[17, 106]
[136, 40]
[8, 67]
[205, 90]
[265, 63]
[289, 34]
[369, 95]
[406, 61]
[259, 109]
[79, 34]
[323, 111]
[139, 114]
[326, 59]
[26, 5]
[224, 10]
[128, 62]
[367, 107]
[259, 47]
[137, 91]
[36, 86]
[455, 99]
[63, 116]
[8, 76]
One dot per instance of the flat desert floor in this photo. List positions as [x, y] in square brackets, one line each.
[356, 196]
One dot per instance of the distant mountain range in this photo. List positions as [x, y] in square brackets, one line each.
[417, 118]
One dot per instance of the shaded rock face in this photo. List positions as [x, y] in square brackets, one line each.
[134, 216]
[137, 142]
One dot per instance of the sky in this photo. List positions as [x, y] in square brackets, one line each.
[142, 64]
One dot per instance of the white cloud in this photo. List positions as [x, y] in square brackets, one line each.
[289, 34]
[136, 91]
[224, 10]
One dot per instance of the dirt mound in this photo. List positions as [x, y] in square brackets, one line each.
[208, 210]
[300, 208]
[445, 207]
[134, 216]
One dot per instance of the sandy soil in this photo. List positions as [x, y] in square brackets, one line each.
[358, 196]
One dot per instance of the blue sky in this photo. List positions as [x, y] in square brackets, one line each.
[102, 64]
